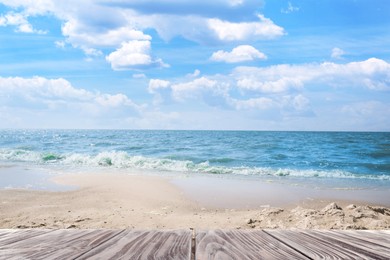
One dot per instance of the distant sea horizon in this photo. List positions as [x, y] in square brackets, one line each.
[185, 129]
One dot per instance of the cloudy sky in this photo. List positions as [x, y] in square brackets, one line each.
[186, 64]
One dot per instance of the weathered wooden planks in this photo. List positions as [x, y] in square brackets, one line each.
[97, 244]
[334, 244]
[145, 245]
[178, 244]
[235, 244]
[8, 236]
[49, 244]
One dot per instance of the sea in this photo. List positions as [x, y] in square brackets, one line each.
[344, 159]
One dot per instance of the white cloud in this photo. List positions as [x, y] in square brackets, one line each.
[230, 31]
[60, 44]
[282, 90]
[236, 2]
[372, 74]
[195, 74]
[84, 35]
[337, 53]
[201, 87]
[56, 93]
[116, 100]
[155, 84]
[239, 54]
[273, 79]
[133, 55]
[39, 102]
[261, 103]
[20, 21]
[139, 76]
[31, 7]
[290, 9]
[94, 25]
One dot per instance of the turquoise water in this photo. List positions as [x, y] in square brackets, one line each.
[284, 155]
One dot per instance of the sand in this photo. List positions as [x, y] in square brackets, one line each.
[119, 200]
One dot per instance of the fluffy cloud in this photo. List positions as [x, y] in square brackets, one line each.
[282, 89]
[372, 73]
[57, 94]
[337, 53]
[195, 74]
[20, 22]
[239, 54]
[39, 102]
[230, 31]
[133, 55]
[199, 88]
[94, 25]
[83, 35]
[155, 84]
[31, 7]
[261, 103]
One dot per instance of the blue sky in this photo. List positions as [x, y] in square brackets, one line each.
[184, 64]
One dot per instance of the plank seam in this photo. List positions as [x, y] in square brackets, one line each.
[111, 237]
[193, 244]
[288, 245]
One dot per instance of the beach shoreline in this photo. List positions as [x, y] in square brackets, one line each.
[120, 200]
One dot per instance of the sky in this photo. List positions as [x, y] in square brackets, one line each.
[301, 65]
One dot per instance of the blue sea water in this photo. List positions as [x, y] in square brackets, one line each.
[310, 156]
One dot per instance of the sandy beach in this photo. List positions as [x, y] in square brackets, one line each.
[119, 200]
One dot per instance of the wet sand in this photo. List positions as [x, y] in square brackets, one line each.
[122, 200]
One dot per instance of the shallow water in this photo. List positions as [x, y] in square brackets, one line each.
[16, 177]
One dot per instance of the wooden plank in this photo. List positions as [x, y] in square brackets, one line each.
[318, 245]
[240, 244]
[9, 236]
[145, 245]
[103, 244]
[213, 244]
[362, 242]
[57, 244]
[377, 237]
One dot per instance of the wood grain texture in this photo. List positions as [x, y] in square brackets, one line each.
[329, 245]
[9, 236]
[376, 237]
[145, 245]
[177, 244]
[57, 244]
[240, 245]
[361, 242]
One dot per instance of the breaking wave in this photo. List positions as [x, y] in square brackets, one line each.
[122, 160]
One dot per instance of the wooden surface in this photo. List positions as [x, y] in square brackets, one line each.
[336, 244]
[186, 244]
[95, 244]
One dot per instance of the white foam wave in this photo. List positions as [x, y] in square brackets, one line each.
[123, 160]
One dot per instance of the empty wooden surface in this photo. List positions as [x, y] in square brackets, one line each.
[235, 244]
[184, 244]
[336, 244]
[145, 245]
[95, 244]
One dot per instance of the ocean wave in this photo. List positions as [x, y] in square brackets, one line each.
[122, 160]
